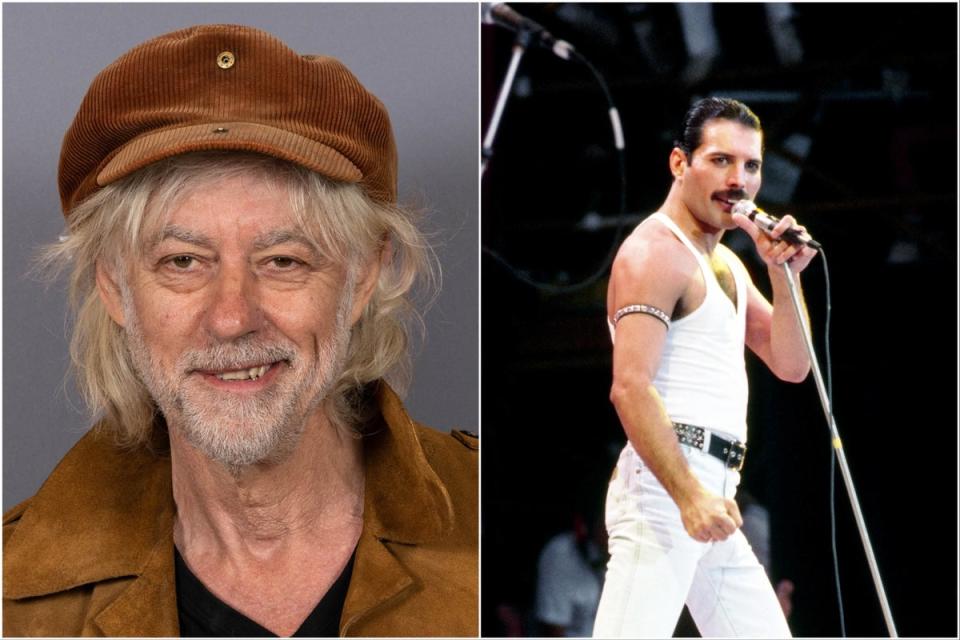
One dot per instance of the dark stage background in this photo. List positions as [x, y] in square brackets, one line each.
[859, 107]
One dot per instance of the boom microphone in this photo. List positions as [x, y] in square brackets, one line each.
[500, 13]
[767, 222]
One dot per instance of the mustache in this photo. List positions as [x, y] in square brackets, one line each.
[236, 355]
[736, 194]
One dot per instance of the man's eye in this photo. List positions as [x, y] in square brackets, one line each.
[182, 262]
[720, 160]
[284, 262]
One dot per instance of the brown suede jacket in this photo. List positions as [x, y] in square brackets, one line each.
[91, 554]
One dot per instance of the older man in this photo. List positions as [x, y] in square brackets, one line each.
[241, 273]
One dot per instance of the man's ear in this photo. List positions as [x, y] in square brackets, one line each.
[367, 279]
[678, 162]
[109, 291]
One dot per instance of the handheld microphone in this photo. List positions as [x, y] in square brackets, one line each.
[500, 13]
[767, 222]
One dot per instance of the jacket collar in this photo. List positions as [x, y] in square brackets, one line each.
[107, 513]
[405, 501]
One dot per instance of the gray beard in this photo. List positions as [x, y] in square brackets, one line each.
[241, 431]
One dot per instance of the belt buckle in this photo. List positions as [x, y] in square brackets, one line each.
[690, 435]
[736, 446]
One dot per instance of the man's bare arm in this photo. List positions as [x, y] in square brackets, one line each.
[773, 332]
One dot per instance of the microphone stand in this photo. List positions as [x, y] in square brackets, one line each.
[520, 44]
[841, 456]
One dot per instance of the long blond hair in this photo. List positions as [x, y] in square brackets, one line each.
[112, 226]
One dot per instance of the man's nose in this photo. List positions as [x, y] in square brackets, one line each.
[736, 176]
[234, 305]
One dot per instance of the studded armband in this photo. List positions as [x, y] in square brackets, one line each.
[659, 314]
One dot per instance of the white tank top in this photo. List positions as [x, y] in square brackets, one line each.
[702, 377]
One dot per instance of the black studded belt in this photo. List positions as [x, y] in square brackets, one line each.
[731, 452]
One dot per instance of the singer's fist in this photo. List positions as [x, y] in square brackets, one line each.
[774, 251]
[710, 518]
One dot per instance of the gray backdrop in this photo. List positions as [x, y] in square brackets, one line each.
[420, 60]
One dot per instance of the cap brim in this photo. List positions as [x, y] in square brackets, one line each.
[228, 136]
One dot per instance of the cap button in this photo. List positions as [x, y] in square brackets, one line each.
[225, 59]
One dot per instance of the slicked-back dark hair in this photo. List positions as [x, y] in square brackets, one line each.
[702, 111]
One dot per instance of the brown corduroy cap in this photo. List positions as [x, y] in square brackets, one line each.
[227, 87]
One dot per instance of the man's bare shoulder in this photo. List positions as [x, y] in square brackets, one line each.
[652, 259]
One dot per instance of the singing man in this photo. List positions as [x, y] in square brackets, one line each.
[681, 307]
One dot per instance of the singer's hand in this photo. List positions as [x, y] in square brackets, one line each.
[775, 252]
[708, 517]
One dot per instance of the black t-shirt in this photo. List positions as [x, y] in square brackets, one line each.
[203, 614]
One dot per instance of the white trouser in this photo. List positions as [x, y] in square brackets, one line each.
[655, 566]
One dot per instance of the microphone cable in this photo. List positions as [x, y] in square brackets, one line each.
[833, 452]
[620, 146]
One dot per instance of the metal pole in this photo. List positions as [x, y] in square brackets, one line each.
[519, 48]
[841, 456]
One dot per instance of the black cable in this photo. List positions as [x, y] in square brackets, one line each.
[833, 455]
[601, 271]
